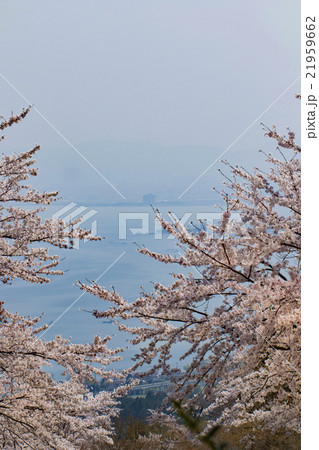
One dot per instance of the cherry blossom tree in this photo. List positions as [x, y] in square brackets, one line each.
[35, 410]
[22, 229]
[38, 412]
[236, 315]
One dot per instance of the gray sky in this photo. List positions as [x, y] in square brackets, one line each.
[182, 72]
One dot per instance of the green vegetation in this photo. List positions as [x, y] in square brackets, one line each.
[136, 407]
[197, 427]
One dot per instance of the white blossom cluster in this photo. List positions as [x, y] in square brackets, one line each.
[38, 412]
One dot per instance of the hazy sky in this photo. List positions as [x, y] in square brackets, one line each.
[181, 72]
